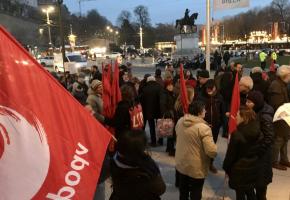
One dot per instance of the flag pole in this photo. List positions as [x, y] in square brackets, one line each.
[208, 35]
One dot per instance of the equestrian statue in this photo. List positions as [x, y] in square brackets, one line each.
[186, 21]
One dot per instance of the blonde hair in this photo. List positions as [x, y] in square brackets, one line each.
[190, 93]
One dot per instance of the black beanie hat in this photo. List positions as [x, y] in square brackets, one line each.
[203, 74]
[257, 98]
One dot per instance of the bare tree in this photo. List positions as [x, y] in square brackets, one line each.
[124, 15]
[142, 15]
[281, 6]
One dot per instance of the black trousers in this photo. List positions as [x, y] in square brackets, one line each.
[261, 193]
[190, 188]
[248, 194]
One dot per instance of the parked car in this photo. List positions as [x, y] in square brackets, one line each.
[46, 61]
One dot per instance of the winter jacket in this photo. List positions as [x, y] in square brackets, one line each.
[136, 180]
[265, 116]
[150, 100]
[277, 94]
[214, 109]
[194, 147]
[96, 101]
[240, 163]
[167, 101]
[226, 86]
[259, 83]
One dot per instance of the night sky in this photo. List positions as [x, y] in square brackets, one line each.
[161, 11]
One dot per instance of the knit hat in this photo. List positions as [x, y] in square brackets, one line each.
[257, 98]
[203, 74]
[167, 82]
[97, 86]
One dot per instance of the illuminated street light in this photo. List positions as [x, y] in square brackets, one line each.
[117, 32]
[48, 10]
[108, 27]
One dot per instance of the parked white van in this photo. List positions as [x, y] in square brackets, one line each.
[72, 63]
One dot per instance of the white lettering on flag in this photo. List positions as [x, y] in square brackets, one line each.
[230, 4]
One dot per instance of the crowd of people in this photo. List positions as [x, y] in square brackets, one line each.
[257, 146]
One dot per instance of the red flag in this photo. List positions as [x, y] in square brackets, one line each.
[51, 147]
[116, 92]
[183, 91]
[107, 91]
[235, 106]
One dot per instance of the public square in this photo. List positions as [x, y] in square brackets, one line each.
[115, 100]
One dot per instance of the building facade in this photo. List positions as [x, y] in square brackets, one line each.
[32, 3]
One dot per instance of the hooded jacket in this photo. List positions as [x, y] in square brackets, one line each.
[194, 147]
[241, 163]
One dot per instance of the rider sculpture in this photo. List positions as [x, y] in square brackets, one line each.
[186, 21]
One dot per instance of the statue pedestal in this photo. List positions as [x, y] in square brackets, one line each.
[186, 45]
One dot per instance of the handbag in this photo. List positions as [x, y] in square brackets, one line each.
[164, 127]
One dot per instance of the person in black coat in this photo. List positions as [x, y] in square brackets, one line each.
[135, 175]
[226, 57]
[95, 74]
[214, 111]
[150, 100]
[265, 113]
[240, 163]
[167, 102]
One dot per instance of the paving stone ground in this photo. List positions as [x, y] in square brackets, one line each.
[215, 188]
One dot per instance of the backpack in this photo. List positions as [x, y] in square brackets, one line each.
[136, 116]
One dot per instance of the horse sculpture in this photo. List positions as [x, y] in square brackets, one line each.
[186, 22]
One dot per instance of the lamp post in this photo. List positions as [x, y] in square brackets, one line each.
[48, 10]
[208, 22]
[141, 38]
[59, 3]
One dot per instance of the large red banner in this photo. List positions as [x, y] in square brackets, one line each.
[50, 146]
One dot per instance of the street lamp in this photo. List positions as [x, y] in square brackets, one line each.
[108, 27]
[48, 10]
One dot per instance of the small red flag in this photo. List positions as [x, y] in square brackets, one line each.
[116, 92]
[50, 146]
[235, 106]
[183, 91]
